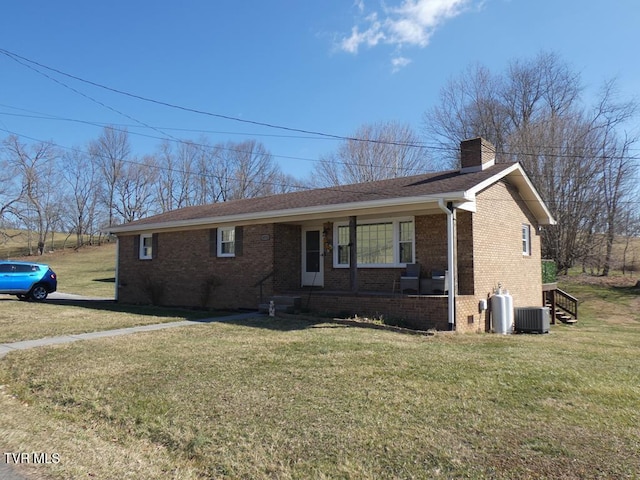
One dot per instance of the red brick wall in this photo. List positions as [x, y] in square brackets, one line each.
[184, 273]
[489, 251]
[287, 257]
[497, 250]
[422, 313]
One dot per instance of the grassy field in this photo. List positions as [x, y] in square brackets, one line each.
[18, 243]
[87, 271]
[296, 399]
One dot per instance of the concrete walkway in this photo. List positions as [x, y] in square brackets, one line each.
[8, 473]
[27, 344]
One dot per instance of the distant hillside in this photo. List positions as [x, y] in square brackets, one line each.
[21, 243]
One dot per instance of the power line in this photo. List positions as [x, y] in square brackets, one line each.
[20, 59]
[28, 63]
[341, 188]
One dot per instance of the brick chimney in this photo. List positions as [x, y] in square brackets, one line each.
[476, 154]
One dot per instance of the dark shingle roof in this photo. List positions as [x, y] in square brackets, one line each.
[418, 185]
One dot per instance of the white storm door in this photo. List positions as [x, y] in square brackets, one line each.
[312, 257]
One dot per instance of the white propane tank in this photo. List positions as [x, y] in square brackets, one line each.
[502, 311]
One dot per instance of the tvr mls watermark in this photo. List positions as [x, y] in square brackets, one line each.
[33, 458]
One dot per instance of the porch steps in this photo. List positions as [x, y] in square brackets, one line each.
[282, 303]
[566, 306]
[563, 316]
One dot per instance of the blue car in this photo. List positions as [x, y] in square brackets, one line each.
[28, 281]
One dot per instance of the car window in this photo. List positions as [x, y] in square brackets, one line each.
[25, 268]
[6, 267]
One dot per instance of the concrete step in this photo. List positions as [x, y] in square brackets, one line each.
[264, 308]
[282, 303]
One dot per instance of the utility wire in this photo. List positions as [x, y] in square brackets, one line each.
[21, 60]
[28, 63]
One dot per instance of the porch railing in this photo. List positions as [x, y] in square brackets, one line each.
[260, 282]
[567, 303]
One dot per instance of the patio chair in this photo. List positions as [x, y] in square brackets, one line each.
[439, 282]
[411, 278]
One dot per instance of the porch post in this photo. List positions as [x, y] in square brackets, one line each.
[450, 210]
[353, 254]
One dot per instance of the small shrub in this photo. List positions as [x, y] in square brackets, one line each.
[549, 271]
[209, 286]
[154, 290]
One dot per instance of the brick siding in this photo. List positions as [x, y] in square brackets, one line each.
[489, 251]
[183, 272]
[497, 247]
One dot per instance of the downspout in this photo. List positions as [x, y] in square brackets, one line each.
[449, 209]
[353, 254]
[117, 268]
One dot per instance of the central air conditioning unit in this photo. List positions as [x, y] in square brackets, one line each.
[532, 319]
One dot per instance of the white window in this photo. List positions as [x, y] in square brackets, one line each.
[405, 241]
[146, 246]
[526, 239]
[384, 243]
[226, 242]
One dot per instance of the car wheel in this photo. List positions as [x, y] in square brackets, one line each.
[38, 293]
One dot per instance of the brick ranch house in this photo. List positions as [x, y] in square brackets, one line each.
[479, 224]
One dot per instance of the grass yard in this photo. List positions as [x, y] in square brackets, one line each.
[30, 320]
[89, 271]
[294, 399]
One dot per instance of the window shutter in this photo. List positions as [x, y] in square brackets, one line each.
[136, 247]
[238, 241]
[213, 242]
[154, 246]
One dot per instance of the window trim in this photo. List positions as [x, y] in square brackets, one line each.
[143, 254]
[395, 221]
[221, 231]
[526, 240]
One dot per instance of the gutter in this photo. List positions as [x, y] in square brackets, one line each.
[293, 214]
[117, 268]
[450, 210]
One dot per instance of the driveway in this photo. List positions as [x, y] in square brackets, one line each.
[73, 296]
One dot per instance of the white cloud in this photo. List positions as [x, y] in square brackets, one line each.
[412, 23]
[399, 62]
[371, 36]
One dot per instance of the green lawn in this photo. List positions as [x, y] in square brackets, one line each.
[293, 399]
[88, 271]
[32, 320]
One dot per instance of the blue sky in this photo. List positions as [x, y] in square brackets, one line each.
[326, 66]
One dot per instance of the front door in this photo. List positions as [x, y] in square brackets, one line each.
[312, 257]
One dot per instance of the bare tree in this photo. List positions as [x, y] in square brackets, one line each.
[244, 170]
[133, 192]
[38, 175]
[80, 177]
[181, 175]
[110, 152]
[630, 230]
[376, 152]
[470, 105]
[533, 114]
[11, 191]
[617, 167]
